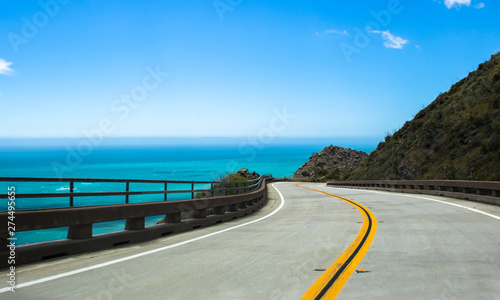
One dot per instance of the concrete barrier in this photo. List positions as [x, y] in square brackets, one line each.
[79, 221]
[479, 191]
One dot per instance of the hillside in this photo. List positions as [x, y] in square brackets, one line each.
[456, 137]
[331, 163]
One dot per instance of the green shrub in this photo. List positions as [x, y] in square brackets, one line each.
[494, 144]
[337, 175]
[496, 126]
[320, 171]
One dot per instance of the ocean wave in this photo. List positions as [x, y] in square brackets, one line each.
[182, 172]
[64, 188]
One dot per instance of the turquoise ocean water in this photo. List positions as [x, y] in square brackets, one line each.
[190, 162]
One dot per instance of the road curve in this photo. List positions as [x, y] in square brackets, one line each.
[422, 250]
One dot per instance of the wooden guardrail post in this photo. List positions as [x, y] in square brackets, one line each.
[483, 191]
[80, 232]
[135, 224]
[200, 213]
[71, 190]
[173, 218]
[127, 189]
[219, 210]
[3, 239]
[165, 195]
[232, 208]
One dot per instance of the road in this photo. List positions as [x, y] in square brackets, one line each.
[422, 249]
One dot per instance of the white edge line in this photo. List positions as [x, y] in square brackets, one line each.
[430, 199]
[112, 262]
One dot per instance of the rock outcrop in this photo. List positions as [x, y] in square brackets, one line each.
[330, 160]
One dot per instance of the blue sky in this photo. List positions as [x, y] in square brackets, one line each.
[233, 68]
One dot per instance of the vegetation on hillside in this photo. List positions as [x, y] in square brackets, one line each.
[456, 137]
[335, 175]
[230, 181]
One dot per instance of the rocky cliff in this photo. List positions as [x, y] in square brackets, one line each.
[330, 161]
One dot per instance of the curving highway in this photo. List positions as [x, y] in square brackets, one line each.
[423, 247]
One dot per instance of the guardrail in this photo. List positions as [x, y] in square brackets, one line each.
[80, 219]
[479, 191]
[216, 188]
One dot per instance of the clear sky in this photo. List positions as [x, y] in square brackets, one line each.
[233, 68]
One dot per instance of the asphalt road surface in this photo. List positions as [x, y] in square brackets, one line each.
[422, 249]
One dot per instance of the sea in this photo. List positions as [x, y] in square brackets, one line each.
[193, 161]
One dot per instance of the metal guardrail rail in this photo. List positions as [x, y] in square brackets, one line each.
[229, 186]
[479, 191]
[216, 208]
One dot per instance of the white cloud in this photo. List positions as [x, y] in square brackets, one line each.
[332, 32]
[450, 3]
[4, 67]
[391, 41]
[418, 47]
[335, 31]
[480, 5]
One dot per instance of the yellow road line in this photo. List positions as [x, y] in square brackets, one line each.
[334, 278]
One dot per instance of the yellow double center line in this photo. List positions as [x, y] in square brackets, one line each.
[334, 278]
